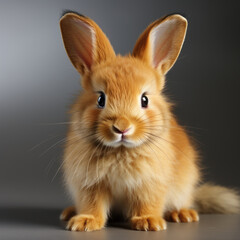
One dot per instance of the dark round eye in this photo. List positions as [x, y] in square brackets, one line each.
[144, 101]
[101, 100]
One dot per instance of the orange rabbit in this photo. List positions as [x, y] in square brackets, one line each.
[124, 147]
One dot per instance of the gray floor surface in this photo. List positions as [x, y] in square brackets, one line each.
[43, 223]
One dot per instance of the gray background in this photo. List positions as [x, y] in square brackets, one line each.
[38, 83]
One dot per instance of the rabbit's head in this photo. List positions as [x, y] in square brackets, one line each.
[121, 103]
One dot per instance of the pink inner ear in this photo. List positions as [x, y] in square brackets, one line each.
[162, 40]
[84, 42]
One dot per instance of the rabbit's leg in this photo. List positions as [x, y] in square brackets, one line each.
[92, 207]
[148, 216]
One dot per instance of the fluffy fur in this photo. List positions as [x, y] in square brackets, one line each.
[210, 198]
[148, 168]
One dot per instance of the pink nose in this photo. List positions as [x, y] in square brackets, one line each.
[116, 130]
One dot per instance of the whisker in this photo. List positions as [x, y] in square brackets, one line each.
[90, 159]
[152, 117]
[151, 140]
[102, 147]
[52, 161]
[153, 135]
[42, 142]
[167, 119]
[175, 129]
[151, 149]
[50, 164]
[55, 144]
[103, 159]
[79, 161]
[57, 171]
[57, 123]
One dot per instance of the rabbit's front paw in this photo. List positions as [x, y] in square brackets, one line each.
[85, 223]
[148, 223]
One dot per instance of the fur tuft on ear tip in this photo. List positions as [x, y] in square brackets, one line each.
[181, 19]
[177, 14]
[67, 11]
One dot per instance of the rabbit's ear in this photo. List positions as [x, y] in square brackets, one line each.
[160, 44]
[85, 43]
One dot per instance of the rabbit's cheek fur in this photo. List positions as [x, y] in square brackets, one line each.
[85, 115]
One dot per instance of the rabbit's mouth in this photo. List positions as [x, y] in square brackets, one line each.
[122, 132]
[123, 141]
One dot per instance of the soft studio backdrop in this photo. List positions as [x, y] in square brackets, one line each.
[38, 83]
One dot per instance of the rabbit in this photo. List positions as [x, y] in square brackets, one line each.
[125, 148]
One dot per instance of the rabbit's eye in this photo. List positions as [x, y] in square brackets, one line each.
[101, 100]
[144, 101]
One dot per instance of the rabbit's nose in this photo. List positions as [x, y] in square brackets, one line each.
[117, 130]
[122, 126]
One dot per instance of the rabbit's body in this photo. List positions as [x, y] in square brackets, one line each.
[163, 169]
[144, 172]
[124, 146]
